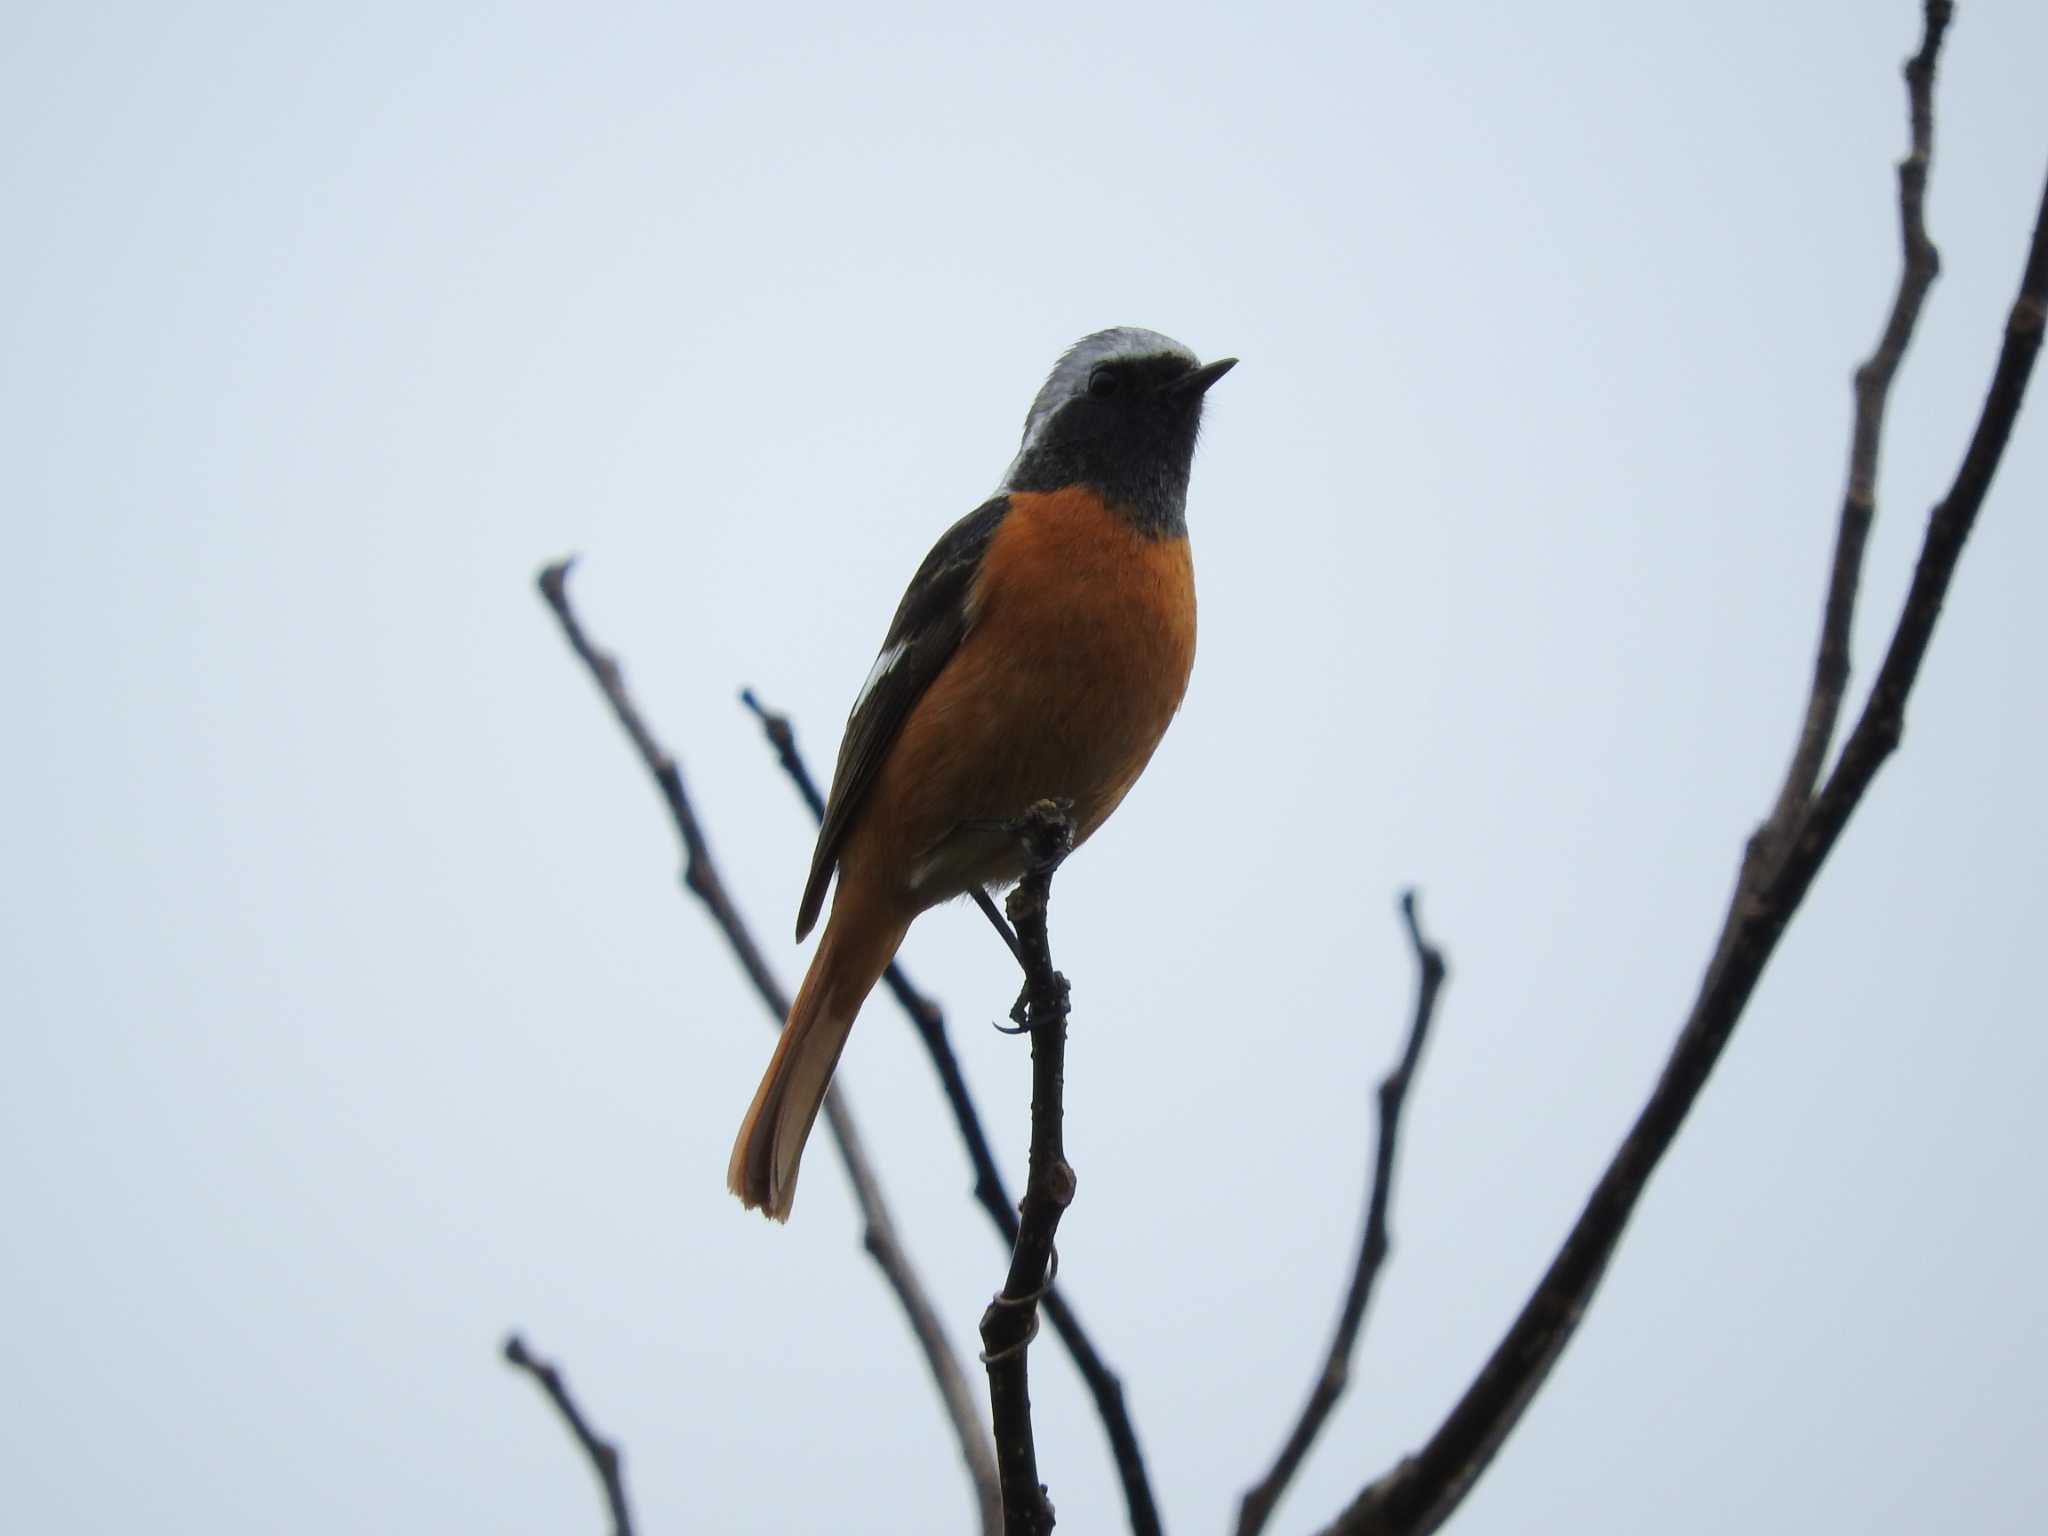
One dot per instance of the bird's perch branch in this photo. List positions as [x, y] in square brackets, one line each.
[605, 1457]
[1011, 1321]
[1419, 1493]
[1105, 1389]
[879, 1236]
[1260, 1500]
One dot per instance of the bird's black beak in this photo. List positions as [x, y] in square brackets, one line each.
[1197, 380]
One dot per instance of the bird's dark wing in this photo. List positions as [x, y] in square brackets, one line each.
[927, 629]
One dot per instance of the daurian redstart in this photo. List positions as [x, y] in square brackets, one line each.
[1039, 653]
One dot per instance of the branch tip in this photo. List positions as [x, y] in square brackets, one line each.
[1375, 1243]
[605, 1458]
[554, 578]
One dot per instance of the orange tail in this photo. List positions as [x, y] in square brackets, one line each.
[851, 957]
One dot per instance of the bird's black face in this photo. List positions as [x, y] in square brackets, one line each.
[1130, 433]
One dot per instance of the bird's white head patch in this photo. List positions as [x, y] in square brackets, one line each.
[1069, 376]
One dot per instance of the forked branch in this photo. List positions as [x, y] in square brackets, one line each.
[1417, 1495]
[1873, 383]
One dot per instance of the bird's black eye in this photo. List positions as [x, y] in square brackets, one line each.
[1104, 382]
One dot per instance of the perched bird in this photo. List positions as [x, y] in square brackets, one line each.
[1040, 652]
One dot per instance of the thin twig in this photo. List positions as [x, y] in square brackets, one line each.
[1104, 1386]
[879, 1236]
[1011, 1321]
[1260, 1500]
[782, 737]
[1883, 721]
[1418, 1494]
[605, 1457]
[1920, 265]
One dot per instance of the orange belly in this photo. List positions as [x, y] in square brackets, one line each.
[1080, 641]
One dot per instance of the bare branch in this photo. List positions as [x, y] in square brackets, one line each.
[1011, 1321]
[990, 1192]
[605, 1457]
[1421, 1492]
[782, 737]
[883, 1245]
[1917, 272]
[1261, 1499]
[879, 1236]
[1878, 731]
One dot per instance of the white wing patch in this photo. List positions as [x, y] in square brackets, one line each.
[881, 669]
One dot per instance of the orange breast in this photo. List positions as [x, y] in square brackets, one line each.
[1081, 638]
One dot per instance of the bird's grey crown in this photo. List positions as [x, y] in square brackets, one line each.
[1069, 376]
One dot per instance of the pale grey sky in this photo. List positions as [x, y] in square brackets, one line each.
[354, 1013]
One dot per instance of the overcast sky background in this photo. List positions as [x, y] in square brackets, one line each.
[354, 1015]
